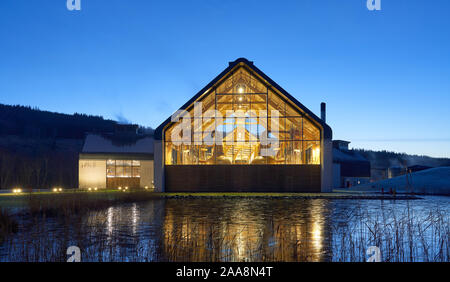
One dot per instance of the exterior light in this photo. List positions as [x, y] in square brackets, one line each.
[55, 189]
[146, 187]
[240, 97]
[126, 187]
[17, 190]
[120, 188]
[241, 89]
[95, 188]
[60, 189]
[89, 189]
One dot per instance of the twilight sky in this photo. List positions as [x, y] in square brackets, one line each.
[385, 75]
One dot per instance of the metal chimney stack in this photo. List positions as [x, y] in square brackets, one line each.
[323, 111]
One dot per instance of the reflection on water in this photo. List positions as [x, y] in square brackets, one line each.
[242, 229]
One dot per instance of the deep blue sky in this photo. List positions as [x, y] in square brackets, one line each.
[385, 75]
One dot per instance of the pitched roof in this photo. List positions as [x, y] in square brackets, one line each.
[103, 144]
[345, 156]
[270, 83]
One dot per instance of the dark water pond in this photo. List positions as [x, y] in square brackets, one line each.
[244, 229]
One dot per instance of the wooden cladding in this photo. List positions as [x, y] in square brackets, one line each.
[114, 182]
[242, 178]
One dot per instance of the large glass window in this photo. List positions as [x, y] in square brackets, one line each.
[242, 121]
[123, 168]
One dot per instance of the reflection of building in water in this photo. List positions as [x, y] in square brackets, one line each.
[237, 231]
[129, 221]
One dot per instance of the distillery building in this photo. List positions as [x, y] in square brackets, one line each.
[350, 168]
[123, 158]
[242, 132]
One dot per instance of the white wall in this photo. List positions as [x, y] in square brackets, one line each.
[147, 172]
[92, 173]
[327, 166]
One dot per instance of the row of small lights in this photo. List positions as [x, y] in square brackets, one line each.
[17, 190]
[59, 189]
[126, 188]
[123, 189]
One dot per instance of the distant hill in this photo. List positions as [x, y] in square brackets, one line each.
[380, 161]
[32, 122]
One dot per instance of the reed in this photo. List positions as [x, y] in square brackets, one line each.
[67, 204]
[401, 235]
[8, 224]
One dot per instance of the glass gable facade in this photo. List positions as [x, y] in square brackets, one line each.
[241, 121]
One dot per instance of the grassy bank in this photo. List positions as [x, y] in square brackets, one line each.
[75, 199]
[341, 195]
[115, 196]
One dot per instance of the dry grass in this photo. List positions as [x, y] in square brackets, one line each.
[401, 235]
[68, 204]
[7, 224]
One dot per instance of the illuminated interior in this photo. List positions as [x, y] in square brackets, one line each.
[123, 168]
[245, 117]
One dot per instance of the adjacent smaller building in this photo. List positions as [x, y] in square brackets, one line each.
[120, 159]
[350, 168]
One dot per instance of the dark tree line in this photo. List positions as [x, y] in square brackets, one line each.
[386, 159]
[32, 122]
[45, 169]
